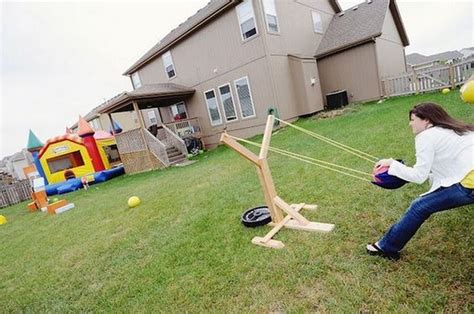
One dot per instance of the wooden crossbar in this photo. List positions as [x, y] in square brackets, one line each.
[276, 205]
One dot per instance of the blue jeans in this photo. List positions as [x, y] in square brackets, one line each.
[420, 209]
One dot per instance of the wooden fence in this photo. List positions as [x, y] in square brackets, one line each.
[428, 79]
[14, 193]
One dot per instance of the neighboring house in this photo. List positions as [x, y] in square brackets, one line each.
[233, 62]
[361, 45]
[418, 61]
[467, 52]
[15, 163]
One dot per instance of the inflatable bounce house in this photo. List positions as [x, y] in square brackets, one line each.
[72, 161]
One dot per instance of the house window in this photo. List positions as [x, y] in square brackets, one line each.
[152, 117]
[168, 64]
[246, 17]
[212, 108]
[136, 80]
[242, 87]
[178, 111]
[317, 22]
[95, 124]
[227, 103]
[270, 15]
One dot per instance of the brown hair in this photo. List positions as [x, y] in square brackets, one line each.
[439, 117]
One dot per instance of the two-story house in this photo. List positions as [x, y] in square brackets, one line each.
[235, 61]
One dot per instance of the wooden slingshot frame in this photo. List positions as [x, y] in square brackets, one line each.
[276, 205]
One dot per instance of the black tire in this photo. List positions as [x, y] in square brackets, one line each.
[257, 216]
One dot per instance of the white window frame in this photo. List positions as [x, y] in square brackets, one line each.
[313, 13]
[272, 4]
[176, 105]
[251, 98]
[164, 58]
[240, 21]
[207, 107]
[233, 102]
[96, 125]
[136, 77]
[151, 115]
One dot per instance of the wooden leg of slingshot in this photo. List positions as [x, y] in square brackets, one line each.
[269, 190]
[310, 207]
[267, 239]
[290, 211]
[299, 222]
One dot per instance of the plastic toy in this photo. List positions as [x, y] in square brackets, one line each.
[133, 201]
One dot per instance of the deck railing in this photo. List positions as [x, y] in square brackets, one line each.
[428, 79]
[136, 147]
[185, 127]
[175, 140]
[157, 148]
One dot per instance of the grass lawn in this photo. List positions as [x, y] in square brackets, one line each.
[184, 248]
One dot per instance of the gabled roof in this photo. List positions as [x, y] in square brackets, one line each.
[147, 92]
[213, 9]
[359, 24]
[202, 16]
[94, 113]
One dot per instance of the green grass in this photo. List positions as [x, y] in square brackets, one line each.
[184, 249]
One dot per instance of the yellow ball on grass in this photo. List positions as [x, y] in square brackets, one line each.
[3, 220]
[133, 201]
[445, 90]
[467, 92]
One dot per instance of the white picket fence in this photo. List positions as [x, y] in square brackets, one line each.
[428, 79]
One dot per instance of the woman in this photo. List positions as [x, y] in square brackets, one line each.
[445, 155]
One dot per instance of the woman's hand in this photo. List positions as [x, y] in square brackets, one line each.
[384, 162]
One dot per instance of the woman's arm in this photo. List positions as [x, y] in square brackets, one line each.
[424, 145]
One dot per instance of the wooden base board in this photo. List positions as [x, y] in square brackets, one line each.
[311, 226]
[273, 244]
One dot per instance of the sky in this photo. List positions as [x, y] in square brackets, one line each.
[60, 59]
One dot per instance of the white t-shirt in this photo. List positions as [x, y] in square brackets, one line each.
[442, 155]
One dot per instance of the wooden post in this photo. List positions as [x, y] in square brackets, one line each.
[111, 122]
[275, 204]
[142, 131]
[415, 80]
[452, 77]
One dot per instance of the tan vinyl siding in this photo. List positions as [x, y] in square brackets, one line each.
[294, 94]
[262, 96]
[215, 50]
[298, 37]
[390, 50]
[126, 120]
[354, 70]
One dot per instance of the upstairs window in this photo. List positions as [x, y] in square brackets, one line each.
[242, 87]
[227, 103]
[317, 22]
[246, 17]
[168, 64]
[270, 15]
[136, 80]
[212, 107]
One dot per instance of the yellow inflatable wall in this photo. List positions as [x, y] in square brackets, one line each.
[63, 154]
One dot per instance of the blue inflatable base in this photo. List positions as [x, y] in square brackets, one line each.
[72, 185]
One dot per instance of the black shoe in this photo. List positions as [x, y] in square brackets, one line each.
[373, 249]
